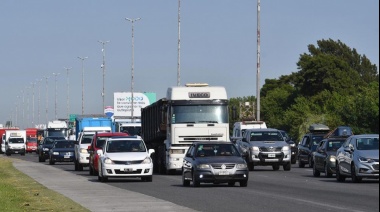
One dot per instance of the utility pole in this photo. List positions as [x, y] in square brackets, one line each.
[258, 63]
[179, 45]
[55, 95]
[68, 91]
[47, 99]
[33, 84]
[104, 69]
[82, 59]
[39, 99]
[133, 59]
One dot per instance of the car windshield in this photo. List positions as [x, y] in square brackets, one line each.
[126, 146]
[212, 150]
[266, 136]
[16, 140]
[87, 139]
[100, 141]
[316, 140]
[367, 144]
[334, 145]
[64, 144]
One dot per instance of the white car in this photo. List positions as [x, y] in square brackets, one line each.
[125, 157]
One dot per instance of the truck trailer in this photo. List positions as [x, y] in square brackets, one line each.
[195, 112]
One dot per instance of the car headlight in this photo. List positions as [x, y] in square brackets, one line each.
[108, 161]
[293, 145]
[332, 159]
[147, 160]
[366, 160]
[203, 166]
[45, 149]
[285, 148]
[55, 153]
[83, 150]
[242, 166]
[255, 148]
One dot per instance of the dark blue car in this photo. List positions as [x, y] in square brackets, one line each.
[62, 151]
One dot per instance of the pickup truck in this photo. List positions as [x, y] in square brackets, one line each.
[265, 147]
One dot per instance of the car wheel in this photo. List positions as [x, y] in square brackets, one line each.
[102, 178]
[294, 160]
[311, 163]
[243, 183]
[339, 177]
[91, 170]
[80, 167]
[355, 178]
[328, 174]
[231, 184]
[300, 164]
[51, 162]
[251, 167]
[76, 165]
[147, 179]
[185, 182]
[287, 167]
[276, 167]
[196, 183]
[316, 173]
[40, 159]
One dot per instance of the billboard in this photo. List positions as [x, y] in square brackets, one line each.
[123, 103]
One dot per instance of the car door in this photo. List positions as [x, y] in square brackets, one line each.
[343, 156]
[320, 155]
[302, 148]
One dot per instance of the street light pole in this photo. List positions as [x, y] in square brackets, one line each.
[68, 91]
[47, 99]
[104, 69]
[82, 59]
[55, 95]
[258, 64]
[39, 99]
[133, 59]
[33, 84]
[179, 45]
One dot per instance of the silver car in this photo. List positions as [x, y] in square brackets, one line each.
[358, 158]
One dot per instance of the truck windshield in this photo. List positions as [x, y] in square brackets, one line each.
[131, 130]
[57, 132]
[16, 140]
[200, 114]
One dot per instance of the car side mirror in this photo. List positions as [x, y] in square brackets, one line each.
[99, 152]
[151, 151]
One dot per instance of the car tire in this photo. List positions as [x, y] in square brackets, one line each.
[76, 165]
[91, 170]
[300, 164]
[294, 160]
[147, 179]
[196, 183]
[39, 159]
[287, 167]
[80, 167]
[51, 162]
[339, 177]
[276, 167]
[355, 178]
[316, 173]
[231, 184]
[243, 183]
[328, 174]
[102, 178]
[251, 167]
[185, 183]
[311, 163]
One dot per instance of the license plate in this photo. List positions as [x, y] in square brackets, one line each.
[16, 152]
[66, 156]
[271, 155]
[224, 173]
[128, 170]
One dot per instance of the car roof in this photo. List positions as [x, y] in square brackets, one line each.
[366, 135]
[105, 134]
[134, 137]
[263, 130]
[211, 142]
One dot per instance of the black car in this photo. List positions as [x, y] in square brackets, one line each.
[62, 151]
[292, 145]
[44, 147]
[325, 156]
[214, 162]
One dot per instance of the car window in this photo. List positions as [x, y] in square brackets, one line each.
[367, 144]
[316, 140]
[334, 145]
[100, 141]
[212, 150]
[86, 139]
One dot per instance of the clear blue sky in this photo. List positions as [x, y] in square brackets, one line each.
[218, 46]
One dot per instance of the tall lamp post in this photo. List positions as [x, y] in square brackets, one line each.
[104, 69]
[179, 45]
[55, 95]
[82, 59]
[33, 84]
[258, 64]
[39, 99]
[133, 59]
[68, 92]
[47, 98]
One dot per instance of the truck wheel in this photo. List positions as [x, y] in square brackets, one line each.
[251, 167]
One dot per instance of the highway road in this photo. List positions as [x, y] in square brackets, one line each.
[295, 190]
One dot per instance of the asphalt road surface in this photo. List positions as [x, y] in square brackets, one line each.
[268, 190]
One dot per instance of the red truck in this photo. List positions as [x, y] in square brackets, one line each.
[97, 143]
[31, 140]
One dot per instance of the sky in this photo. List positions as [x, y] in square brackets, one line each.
[218, 46]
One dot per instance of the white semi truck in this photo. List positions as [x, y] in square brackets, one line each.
[57, 128]
[195, 112]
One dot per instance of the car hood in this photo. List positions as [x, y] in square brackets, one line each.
[220, 159]
[127, 156]
[373, 154]
[47, 146]
[268, 143]
[63, 149]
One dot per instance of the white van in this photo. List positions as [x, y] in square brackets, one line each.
[240, 128]
[15, 142]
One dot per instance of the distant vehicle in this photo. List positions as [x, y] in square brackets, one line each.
[325, 156]
[214, 162]
[15, 142]
[265, 147]
[240, 128]
[57, 128]
[292, 145]
[309, 143]
[62, 151]
[44, 147]
[358, 158]
[97, 143]
[125, 157]
[2, 136]
[31, 144]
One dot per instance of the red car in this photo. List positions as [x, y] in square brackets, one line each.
[31, 144]
[97, 143]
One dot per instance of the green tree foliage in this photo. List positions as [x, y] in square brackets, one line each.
[334, 86]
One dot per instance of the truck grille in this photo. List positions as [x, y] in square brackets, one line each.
[270, 149]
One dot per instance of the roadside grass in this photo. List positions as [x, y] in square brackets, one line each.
[19, 192]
